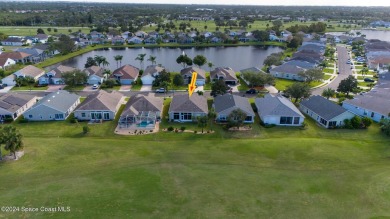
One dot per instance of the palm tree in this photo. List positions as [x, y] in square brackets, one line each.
[212, 115]
[118, 58]
[106, 73]
[141, 58]
[328, 93]
[11, 138]
[99, 59]
[152, 59]
[364, 71]
[105, 62]
[210, 65]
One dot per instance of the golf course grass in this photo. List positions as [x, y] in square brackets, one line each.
[275, 172]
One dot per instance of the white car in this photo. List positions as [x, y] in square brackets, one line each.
[95, 86]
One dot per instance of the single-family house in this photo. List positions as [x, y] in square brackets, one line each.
[225, 104]
[185, 108]
[54, 106]
[42, 38]
[374, 104]
[4, 62]
[150, 73]
[37, 55]
[141, 34]
[150, 40]
[28, 71]
[117, 40]
[186, 73]
[278, 110]
[227, 74]
[95, 75]
[48, 51]
[141, 112]
[54, 76]
[312, 47]
[287, 71]
[17, 56]
[95, 34]
[12, 105]
[99, 106]
[135, 40]
[126, 35]
[12, 41]
[126, 74]
[325, 112]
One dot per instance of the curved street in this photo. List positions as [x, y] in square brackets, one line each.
[343, 68]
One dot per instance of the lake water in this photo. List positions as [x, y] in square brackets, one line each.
[238, 58]
[370, 34]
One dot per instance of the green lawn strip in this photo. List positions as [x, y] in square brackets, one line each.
[326, 77]
[328, 70]
[136, 87]
[243, 86]
[282, 84]
[31, 31]
[364, 84]
[16, 88]
[359, 67]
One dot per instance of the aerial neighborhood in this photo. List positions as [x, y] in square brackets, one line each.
[316, 54]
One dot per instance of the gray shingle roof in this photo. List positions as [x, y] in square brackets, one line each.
[252, 69]
[227, 73]
[323, 107]
[94, 70]
[142, 103]
[14, 101]
[276, 106]
[152, 70]
[101, 100]
[31, 71]
[201, 74]
[184, 103]
[228, 101]
[59, 70]
[60, 100]
[288, 68]
[377, 104]
[126, 72]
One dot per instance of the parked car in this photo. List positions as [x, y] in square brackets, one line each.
[251, 91]
[369, 80]
[160, 90]
[95, 86]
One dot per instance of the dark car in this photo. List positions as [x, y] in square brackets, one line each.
[368, 80]
[251, 91]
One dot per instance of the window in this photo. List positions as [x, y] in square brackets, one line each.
[382, 117]
[323, 121]
[365, 113]
[59, 116]
[176, 116]
[332, 124]
[106, 115]
[222, 118]
[186, 116]
[372, 114]
[30, 116]
[286, 120]
[82, 114]
[248, 119]
[296, 120]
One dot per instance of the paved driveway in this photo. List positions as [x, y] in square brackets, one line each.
[343, 68]
[146, 88]
[125, 88]
[6, 89]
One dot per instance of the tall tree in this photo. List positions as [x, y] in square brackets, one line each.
[11, 138]
[141, 58]
[219, 87]
[99, 59]
[152, 59]
[40, 31]
[298, 90]
[118, 59]
[210, 64]
[385, 126]
[313, 74]
[90, 62]
[178, 80]
[328, 93]
[199, 60]
[236, 118]
[273, 59]
[75, 77]
[64, 44]
[184, 60]
[258, 79]
[211, 116]
[202, 122]
[261, 35]
[364, 71]
[348, 85]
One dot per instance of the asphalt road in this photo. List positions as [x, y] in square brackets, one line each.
[344, 69]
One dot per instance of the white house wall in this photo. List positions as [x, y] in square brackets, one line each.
[364, 112]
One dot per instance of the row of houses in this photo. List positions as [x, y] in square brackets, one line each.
[308, 56]
[377, 54]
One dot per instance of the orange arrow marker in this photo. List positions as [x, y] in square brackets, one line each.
[192, 86]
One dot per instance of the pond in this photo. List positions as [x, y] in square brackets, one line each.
[238, 58]
[370, 34]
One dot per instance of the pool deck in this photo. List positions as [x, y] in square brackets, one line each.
[135, 130]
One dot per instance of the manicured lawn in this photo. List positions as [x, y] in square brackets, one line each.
[328, 70]
[32, 31]
[365, 84]
[359, 67]
[136, 87]
[16, 88]
[243, 86]
[326, 77]
[282, 171]
[282, 84]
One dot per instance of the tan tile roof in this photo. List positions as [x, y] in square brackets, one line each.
[126, 72]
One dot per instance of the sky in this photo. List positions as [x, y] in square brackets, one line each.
[252, 2]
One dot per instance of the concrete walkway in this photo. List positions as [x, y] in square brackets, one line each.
[125, 88]
[271, 89]
[146, 88]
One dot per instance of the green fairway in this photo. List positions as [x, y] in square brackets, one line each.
[32, 31]
[288, 172]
